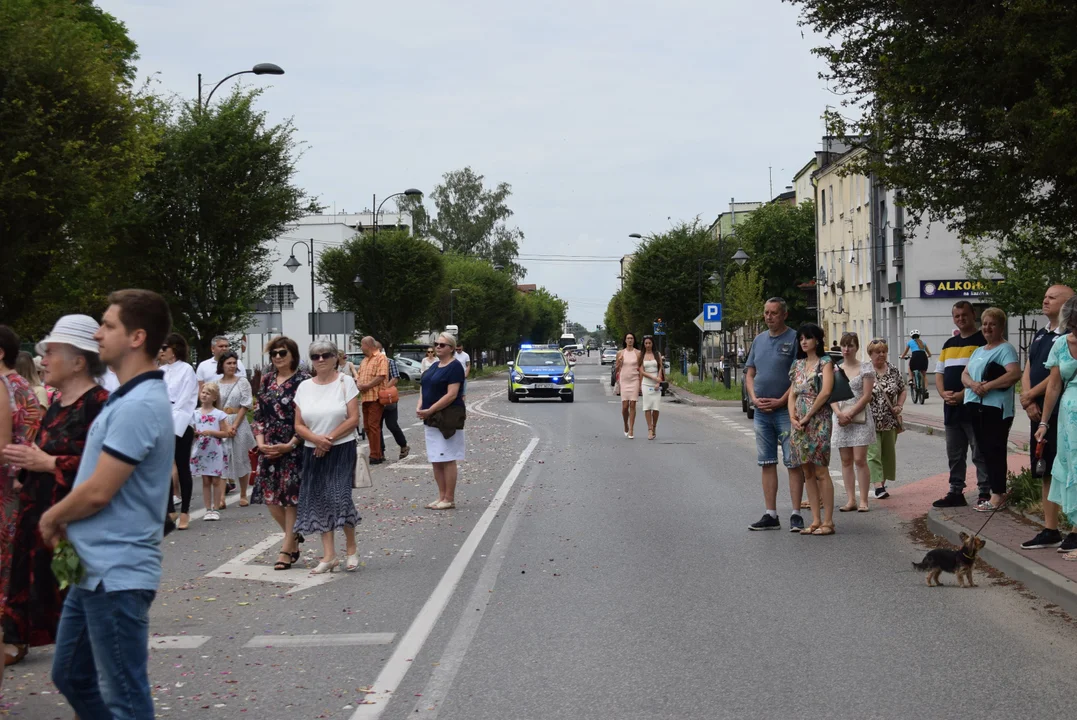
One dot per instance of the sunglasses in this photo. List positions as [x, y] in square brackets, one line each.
[322, 356]
[442, 344]
[279, 353]
[165, 347]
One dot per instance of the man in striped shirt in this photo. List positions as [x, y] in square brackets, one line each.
[959, 437]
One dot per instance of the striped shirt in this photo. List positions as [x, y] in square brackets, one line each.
[952, 361]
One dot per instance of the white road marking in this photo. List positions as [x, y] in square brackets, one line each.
[397, 667]
[437, 688]
[279, 641]
[178, 642]
[238, 569]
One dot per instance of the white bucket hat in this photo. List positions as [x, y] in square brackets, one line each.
[74, 330]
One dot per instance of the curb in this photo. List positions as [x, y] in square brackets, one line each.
[1045, 583]
[925, 429]
[680, 395]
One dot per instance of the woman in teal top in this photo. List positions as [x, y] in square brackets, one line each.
[1063, 365]
[989, 403]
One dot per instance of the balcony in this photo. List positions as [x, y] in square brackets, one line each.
[899, 247]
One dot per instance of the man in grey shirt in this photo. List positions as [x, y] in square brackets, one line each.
[766, 376]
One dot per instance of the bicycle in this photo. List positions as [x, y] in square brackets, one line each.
[919, 388]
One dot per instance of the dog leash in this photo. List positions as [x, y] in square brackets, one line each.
[1002, 505]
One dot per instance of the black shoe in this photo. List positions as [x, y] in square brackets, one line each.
[767, 522]
[881, 492]
[1045, 539]
[796, 523]
[952, 499]
[377, 461]
[1069, 543]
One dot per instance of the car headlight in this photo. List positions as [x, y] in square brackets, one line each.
[568, 377]
[517, 378]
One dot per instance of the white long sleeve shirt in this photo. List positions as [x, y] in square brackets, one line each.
[183, 392]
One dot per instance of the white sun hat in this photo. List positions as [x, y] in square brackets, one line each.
[74, 330]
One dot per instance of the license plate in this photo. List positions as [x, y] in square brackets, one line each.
[544, 386]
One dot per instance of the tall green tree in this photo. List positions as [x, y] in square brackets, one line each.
[617, 322]
[470, 219]
[664, 282]
[1028, 264]
[203, 221]
[969, 107]
[542, 314]
[780, 241]
[74, 140]
[394, 301]
[484, 306]
[744, 301]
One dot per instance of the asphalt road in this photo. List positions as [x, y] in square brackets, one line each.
[585, 575]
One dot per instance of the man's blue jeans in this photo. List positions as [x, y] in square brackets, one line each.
[102, 651]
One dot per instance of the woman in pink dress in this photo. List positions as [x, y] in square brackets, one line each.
[628, 376]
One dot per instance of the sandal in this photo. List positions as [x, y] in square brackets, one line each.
[20, 653]
[1072, 555]
[810, 530]
[862, 508]
[244, 502]
[805, 505]
[847, 508]
[282, 564]
[825, 529]
[294, 556]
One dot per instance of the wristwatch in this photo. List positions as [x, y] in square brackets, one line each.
[1045, 425]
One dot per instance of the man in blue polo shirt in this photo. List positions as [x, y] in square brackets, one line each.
[114, 517]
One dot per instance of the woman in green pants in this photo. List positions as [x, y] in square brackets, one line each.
[887, 398]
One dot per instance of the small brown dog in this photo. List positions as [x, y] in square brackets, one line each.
[959, 562]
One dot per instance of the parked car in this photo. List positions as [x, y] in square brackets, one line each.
[409, 369]
[609, 356]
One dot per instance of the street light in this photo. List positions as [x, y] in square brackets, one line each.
[410, 192]
[259, 69]
[292, 264]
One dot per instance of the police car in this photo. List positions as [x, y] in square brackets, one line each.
[541, 371]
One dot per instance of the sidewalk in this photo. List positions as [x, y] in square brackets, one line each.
[928, 418]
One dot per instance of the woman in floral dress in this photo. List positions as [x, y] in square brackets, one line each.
[31, 612]
[887, 399]
[809, 415]
[276, 482]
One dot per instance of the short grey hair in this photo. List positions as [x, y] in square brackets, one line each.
[780, 302]
[448, 336]
[324, 346]
[218, 339]
[94, 367]
[1068, 316]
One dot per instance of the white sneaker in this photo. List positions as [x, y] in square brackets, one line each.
[176, 499]
[212, 515]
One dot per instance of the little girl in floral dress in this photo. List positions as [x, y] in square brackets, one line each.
[208, 456]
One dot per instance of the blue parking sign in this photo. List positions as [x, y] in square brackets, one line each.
[712, 312]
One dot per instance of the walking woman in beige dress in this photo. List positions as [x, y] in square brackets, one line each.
[628, 365]
[652, 375]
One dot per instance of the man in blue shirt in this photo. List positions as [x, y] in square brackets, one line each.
[766, 377]
[114, 517]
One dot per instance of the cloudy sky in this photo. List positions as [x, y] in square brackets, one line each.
[606, 117]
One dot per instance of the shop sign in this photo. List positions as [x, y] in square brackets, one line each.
[956, 288]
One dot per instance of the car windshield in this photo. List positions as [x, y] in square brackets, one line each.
[610, 351]
[530, 359]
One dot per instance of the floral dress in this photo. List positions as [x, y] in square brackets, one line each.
[26, 414]
[812, 444]
[1064, 471]
[856, 434]
[209, 455]
[277, 479]
[34, 600]
[884, 397]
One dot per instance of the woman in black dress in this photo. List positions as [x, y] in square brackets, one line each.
[47, 470]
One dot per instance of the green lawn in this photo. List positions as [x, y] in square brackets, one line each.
[487, 370]
[713, 390]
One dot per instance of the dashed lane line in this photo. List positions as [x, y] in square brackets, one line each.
[344, 639]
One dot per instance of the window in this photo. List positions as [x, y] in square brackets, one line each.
[822, 206]
[832, 216]
[842, 200]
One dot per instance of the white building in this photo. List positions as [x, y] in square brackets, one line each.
[288, 301]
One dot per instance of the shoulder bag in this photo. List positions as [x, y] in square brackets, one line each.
[897, 418]
[361, 478]
[859, 418]
[841, 391]
[388, 395]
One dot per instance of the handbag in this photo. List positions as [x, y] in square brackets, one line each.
[859, 418]
[900, 424]
[388, 396]
[842, 390]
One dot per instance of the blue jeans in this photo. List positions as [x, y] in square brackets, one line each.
[102, 652]
[771, 430]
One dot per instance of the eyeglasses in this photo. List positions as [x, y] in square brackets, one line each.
[448, 345]
[429, 352]
[279, 353]
[165, 347]
[322, 356]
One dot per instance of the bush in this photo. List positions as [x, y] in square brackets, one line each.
[1025, 494]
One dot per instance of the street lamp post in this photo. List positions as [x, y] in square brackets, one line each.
[259, 69]
[292, 264]
[410, 192]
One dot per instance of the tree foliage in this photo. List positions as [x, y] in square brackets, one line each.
[744, 300]
[470, 219]
[398, 271]
[780, 242]
[74, 140]
[971, 108]
[541, 316]
[203, 220]
[617, 322]
[1026, 261]
[485, 305]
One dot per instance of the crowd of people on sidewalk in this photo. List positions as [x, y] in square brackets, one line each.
[805, 407]
[102, 435]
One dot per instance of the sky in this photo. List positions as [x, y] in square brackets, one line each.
[606, 117]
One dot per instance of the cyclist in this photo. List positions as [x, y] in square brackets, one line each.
[918, 353]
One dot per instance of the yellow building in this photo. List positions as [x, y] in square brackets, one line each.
[843, 248]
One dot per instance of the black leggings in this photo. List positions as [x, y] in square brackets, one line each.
[992, 435]
[183, 466]
[390, 418]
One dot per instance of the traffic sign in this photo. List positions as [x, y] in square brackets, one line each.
[712, 312]
[706, 326]
[659, 328]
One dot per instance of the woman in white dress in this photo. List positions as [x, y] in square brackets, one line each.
[237, 400]
[854, 427]
[183, 393]
[442, 386]
[652, 374]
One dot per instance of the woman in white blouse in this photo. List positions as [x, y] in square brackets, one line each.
[183, 393]
[326, 415]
